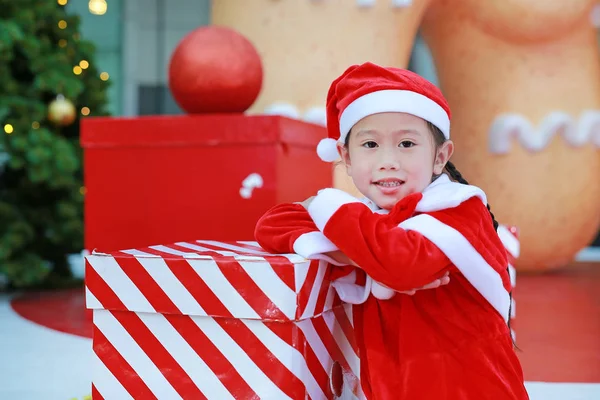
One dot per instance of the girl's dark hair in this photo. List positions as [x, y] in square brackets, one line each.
[439, 139]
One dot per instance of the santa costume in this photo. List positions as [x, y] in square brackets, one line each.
[451, 342]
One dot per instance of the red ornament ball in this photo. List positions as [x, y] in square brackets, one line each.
[215, 70]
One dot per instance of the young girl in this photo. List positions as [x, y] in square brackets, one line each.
[392, 130]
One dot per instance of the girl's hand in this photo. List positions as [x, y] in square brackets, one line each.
[435, 284]
[341, 258]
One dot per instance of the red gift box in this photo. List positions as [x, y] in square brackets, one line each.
[163, 179]
[217, 320]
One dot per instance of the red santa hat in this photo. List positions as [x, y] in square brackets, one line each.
[367, 89]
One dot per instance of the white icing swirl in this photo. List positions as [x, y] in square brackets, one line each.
[575, 131]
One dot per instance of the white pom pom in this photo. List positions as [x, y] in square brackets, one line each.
[381, 292]
[283, 109]
[316, 115]
[327, 150]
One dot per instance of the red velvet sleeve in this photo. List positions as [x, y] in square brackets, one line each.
[281, 226]
[397, 258]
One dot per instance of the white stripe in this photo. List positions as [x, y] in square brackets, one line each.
[288, 356]
[195, 247]
[169, 250]
[343, 343]
[263, 274]
[237, 249]
[105, 382]
[111, 273]
[329, 300]
[348, 309]
[134, 355]
[294, 258]
[513, 275]
[187, 358]
[91, 301]
[139, 253]
[250, 243]
[258, 381]
[158, 269]
[513, 308]
[300, 274]
[309, 311]
[510, 242]
[315, 342]
[465, 257]
[211, 274]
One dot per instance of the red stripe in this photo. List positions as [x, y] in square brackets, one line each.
[304, 293]
[282, 266]
[96, 394]
[120, 368]
[247, 288]
[323, 290]
[312, 361]
[219, 248]
[212, 356]
[285, 270]
[190, 332]
[330, 343]
[101, 290]
[346, 325]
[266, 361]
[199, 290]
[167, 365]
[160, 357]
[162, 254]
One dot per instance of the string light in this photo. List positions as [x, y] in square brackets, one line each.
[8, 128]
[77, 70]
[97, 7]
[62, 24]
[104, 76]
[84, 64]
[62, 2]
[35, 125]
[85, 111]
[62, 43]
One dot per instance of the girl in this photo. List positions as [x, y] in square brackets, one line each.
[392, 130]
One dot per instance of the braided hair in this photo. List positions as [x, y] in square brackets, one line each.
[455, 175]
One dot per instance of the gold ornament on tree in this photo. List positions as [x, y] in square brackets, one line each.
[61, 111]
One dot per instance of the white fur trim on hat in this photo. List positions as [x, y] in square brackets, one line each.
[327, 150]
[394, 101]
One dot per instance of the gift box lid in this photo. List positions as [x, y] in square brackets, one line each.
[209, 278]
[198, 130]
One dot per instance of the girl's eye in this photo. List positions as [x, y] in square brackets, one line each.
[406, 144]
[370, 144]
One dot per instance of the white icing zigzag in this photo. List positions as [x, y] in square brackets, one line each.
[395, 3]
[576, 132]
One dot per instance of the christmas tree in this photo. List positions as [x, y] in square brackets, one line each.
[48, 81]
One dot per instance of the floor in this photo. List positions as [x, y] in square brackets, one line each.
[45, 350]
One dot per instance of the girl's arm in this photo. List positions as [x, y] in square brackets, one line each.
[398, 258]
[288, 228]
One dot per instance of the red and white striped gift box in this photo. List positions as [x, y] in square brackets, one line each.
[219, 321]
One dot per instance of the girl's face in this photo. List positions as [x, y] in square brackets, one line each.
[392, 155]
